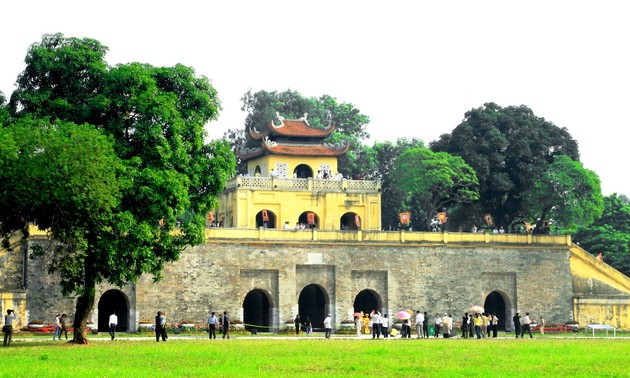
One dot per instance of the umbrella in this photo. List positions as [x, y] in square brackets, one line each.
[358, 314]
[411, 312]
[478, 309]
[403, 314]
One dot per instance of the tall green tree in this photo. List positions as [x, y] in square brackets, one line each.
[609, 234]
[154, 118]
[392, 197]
[509, 149]
[350, 123]
[566, 193]
[433, 182]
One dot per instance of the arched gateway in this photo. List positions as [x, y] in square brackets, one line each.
[257, 311]
[495, 304]
[313, 303]
[366, 301]
[113, 300]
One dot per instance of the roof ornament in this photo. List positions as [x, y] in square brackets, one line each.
[304, 119]
[342, 144]
[280, 118]
[270, 142]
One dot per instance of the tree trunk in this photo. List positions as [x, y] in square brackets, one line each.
[85, 302]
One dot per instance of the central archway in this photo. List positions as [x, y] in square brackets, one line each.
[313, 303]
[113, 300]
[269, 223]
[366, 301]
[303, 171]
[495, 304]
[257, 311]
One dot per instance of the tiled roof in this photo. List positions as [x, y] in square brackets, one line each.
[301, 150]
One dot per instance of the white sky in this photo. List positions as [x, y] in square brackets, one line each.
[414, 67]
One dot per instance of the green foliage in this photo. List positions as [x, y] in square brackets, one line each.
[609, 234]
[566, 193]
[509, 149]
[434, 181]
[392, 197]
[136, 209]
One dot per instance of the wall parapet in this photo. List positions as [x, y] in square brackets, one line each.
[376, 237]
[303, 184]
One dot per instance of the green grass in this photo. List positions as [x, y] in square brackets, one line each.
[274, 357]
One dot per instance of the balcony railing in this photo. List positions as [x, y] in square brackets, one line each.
[303, 184]
[397, 237]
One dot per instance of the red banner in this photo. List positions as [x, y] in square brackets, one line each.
[357, 221]
[405, 218]
[442, 217]
[265, 216]
[488, 219]
[310, 218]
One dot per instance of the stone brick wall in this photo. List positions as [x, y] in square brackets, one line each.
[218, 276]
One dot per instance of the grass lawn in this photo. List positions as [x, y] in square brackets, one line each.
[274, 357]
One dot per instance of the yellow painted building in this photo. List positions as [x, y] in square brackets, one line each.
[293, 182]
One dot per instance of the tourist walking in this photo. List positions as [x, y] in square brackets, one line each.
[57, 323]
[64, 329]
[226, 325]
[527, 326]
[113, 322]
[8, 327]
[419, 324]
[517, 324]
[160, 326]
[328, 326]
[212, 325]
[297, 323]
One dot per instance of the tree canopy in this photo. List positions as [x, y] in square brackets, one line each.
[509, 149]
[609, 234]
[566, 193]
[434, 181]
[141, 129]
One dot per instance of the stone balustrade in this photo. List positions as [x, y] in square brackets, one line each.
[303, 184]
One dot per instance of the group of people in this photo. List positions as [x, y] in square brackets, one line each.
[222, 322]
[521, 327]
[482, 324]
[60, 327]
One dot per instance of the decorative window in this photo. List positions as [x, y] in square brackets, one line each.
[281, 169]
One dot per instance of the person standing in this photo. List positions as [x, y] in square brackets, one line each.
[160, 326]
[212, 325]
[385, 326]
[465, 326]
[517, 324]
[64, 328]
[8, 327]
[425, 326]
[113, 322]
[226, 325]
[527, 326]
[359, 324]
[376, 324]
[308, 325]
[447, 325]
[437, 322]
[542, 325]
[297, 322]
[57, 324]
[478, 324]
[495, 325]
[419, 324]
[328, 326]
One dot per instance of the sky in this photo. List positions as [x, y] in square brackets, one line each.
[413, 67]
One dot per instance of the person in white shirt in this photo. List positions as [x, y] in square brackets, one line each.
[447, 325]
[57, 327]
[328, 326]
[376, 324]
[527, 326]
[419, 322]
[437, 322]
[113, 322]
[212, 325]
[385, 326]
